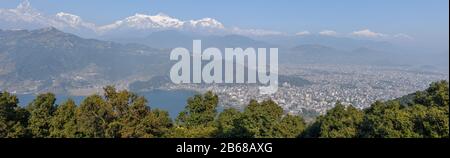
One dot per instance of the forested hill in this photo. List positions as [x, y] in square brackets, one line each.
[48, 59]
[123, 114]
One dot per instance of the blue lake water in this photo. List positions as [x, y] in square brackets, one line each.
[172, 101]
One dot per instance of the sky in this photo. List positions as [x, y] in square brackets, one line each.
[427, 20]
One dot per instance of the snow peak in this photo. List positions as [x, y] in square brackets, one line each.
[187, 148]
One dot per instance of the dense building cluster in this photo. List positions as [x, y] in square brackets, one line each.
[357, 85]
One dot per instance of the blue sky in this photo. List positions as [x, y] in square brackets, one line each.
[423, 19]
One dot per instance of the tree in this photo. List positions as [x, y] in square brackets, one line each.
[430, 122]
[387, 120]
[435, 95]
[8, 105]
[200, 110]
[226, 123]
[119, 100]
[19, 130]
[339, 122]
[128, 110]
[192, 132]
[156, 124]
[93, 117]
[290, 127]
[423, 114]
[136, 113]
[133, 118]
[197, 120]
[41, 111]
[63, 123]
[260, 120]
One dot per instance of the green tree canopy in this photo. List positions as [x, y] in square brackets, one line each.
[339, 122]
[291, 126]
[63, 123]
[13, 119]
[123, 114]
[93, 117]
[41, 111]
[227, 123]
[200, 110]
[260, 120]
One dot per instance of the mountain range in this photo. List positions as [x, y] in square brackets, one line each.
[62, 53]
[26, 17]
[164, 31]
[51, 60]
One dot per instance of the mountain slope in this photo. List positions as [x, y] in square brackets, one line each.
[321, 54]
[171, 39]
[51, 58]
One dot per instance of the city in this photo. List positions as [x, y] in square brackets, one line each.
[355, 85]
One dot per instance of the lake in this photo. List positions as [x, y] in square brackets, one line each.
[172, 101]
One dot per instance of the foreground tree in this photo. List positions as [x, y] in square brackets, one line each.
[227, 123]
[156, 124]
[260, 120]
[141, 122]
[423, 114]
[430, 122]
[200, 110]
[63, 123]
[13, 119]
[8, 104]
[93, 117]
[425, 117]
[387, 120]
[339, 122]
[197, 120]
[291, 127]
[435, 95]
[41, 111]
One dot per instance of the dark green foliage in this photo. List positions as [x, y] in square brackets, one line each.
[63, 123]
[388, 120]
[290, 126]
[122, 114]
[13, 119]
[8, 105]
[200, 110]
[423, 115]
[259, 120]
[436, 95]
[339, 122]
[227, 123]
[41, 112]
[156, 124]
[93, 117]
[430, 122]
[197, 120]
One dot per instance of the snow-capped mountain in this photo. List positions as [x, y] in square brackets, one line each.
[73, 21]
[26, 17]
[143, 22]
[161, 21]
[23, 17]
[206, 23]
